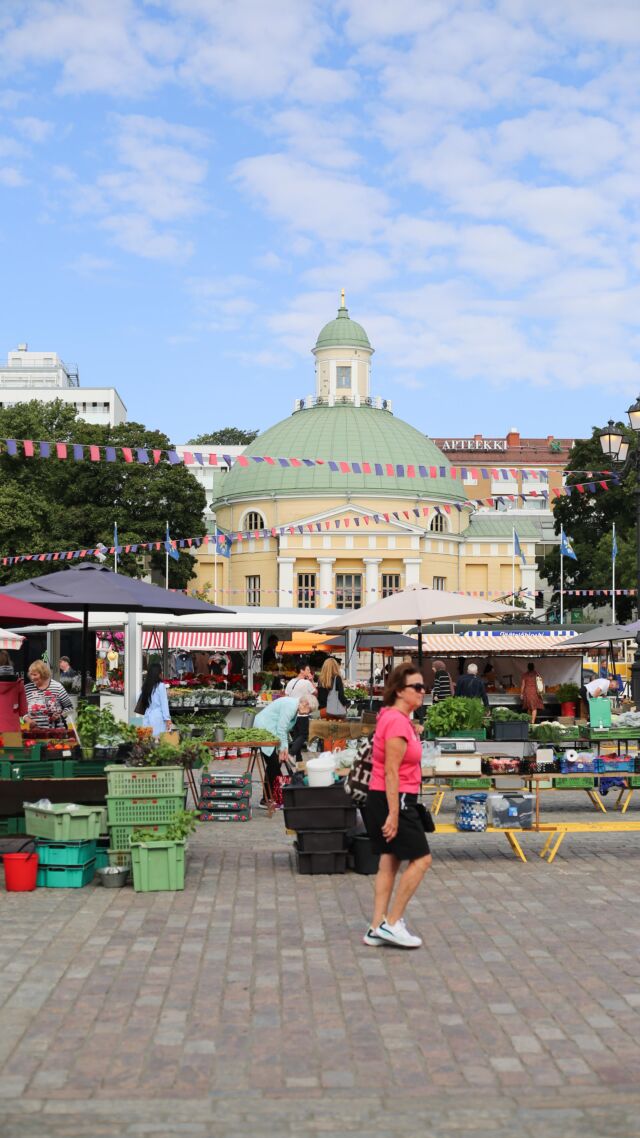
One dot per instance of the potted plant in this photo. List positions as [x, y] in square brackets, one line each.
[568, 696]
[157, 860]
[510, 726]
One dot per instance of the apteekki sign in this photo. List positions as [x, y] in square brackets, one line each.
[474, 444]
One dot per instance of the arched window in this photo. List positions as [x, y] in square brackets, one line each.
[438, 524]
[253, 521]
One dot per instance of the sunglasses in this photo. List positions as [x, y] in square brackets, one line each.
[416, 687]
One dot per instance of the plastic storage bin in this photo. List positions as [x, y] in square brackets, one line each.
[322, 841]
[312, 796]
[141, 811]
[119, 835]
[233, 781]
[66, 853]
[516, 731]
[364, 859]
[158, 867]
[330, 862]
[506, 811]
[320, 817]
[62, 825]
[137, 782]
[66, 876]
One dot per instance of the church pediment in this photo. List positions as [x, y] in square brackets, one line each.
[355, 519]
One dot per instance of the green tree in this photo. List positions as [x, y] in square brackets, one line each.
[227, 436]
[51, 504]
[588, 520]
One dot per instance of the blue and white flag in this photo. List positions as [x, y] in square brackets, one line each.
[115, 537]
[169, 548]
[614, 546]
[566, 548]
[517, 548]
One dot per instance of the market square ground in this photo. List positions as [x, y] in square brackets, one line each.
[248, 1005]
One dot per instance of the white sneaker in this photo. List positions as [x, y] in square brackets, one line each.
[397, 934]
[372, 939]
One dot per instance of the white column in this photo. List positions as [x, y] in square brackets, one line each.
[371, 586]
[132, 663]
[412, 570]
[326, 582]
[285, 582]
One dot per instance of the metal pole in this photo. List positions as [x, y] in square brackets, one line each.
[215, 565]
[513, 569]
[561, 577]
[166, 557]
[635, 667]
[613, 577]
[85, 639]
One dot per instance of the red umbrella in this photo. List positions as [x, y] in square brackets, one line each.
[15, 613]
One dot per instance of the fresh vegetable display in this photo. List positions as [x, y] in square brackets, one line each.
[357, 693]
[458, 713]
[248, 735]
[506, 715]
[552, 732]
[97, 726]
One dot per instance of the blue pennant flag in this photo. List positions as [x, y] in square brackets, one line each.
[566, 548]
[169, 548]
[115, 537]
[517, 548]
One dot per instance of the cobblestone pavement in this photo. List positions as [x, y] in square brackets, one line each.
[248, 1005]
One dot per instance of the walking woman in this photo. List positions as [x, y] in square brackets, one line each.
[531, 690]
[442, 687]
[393, 820]
[153, 703]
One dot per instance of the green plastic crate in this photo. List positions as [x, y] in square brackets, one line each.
[579, 782]
[22, 754]
[120, 858]
[479, 733]
[634, 780]
[85, 768]
[119, 835]
[158, 867]
[17, 771]
[61, 825]
[471, 783]
[65, 876]
[66, 853]
[12, 825]
[142, 781]
[141, 811]
[102, 857]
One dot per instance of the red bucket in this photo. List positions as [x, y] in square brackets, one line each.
[20, 872]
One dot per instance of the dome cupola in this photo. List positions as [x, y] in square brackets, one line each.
[343, 359]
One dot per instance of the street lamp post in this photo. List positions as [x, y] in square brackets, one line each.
[616, 446]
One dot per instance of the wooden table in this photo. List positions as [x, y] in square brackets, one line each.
[333, 730]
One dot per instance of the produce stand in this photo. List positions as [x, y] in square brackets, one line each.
[337, 730]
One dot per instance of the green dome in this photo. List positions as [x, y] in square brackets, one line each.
[343, 332]
[343, 432]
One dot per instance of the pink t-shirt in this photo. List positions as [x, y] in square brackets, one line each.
[394, 724]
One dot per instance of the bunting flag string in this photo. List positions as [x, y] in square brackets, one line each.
[599, 592]
[138, 455]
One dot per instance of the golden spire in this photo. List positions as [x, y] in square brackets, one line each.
[342, 299]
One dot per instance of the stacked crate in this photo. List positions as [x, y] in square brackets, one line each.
[225, 798]
[321, 817]
[66, 843]
[140, 798]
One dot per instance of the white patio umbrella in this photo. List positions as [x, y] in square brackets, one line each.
[10, 641]
[415, 605]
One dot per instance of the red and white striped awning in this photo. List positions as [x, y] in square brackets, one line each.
[518, 644]
[200, 641]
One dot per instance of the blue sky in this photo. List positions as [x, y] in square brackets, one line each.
[186, 186]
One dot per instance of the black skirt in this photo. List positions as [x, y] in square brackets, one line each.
[411, 841]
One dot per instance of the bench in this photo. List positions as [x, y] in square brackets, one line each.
[510, 835]
[557, 832]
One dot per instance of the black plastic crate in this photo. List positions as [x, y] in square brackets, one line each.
[231, 780]
[320, 817]
[224, 805]
[312, 796]
[516, 731]
[321, 841]
[213, 793]
[333, 861]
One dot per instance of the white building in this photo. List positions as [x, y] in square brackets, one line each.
[43, 376]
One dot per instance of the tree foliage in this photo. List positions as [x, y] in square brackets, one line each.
[227, 436]
[587, 519]
[49, 504]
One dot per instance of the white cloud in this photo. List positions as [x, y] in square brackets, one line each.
[12, 177]
[135, 234]
[34, 129]
[88, 265]
[311, 200]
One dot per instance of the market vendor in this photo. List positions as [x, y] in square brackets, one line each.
[279, 718]
[48, 704]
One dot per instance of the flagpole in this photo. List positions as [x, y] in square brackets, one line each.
[115, 545]
[166, 557]
[513, 569]
[613, 577]
[215, 565]
[561, 576]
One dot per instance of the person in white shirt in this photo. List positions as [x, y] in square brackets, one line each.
[302, 684]
[597, 688]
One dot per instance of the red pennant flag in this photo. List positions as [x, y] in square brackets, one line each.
[447, 509]
[61, 450]
[128, 454]
[213, 459]
[28, 448]
[411, 471]
[425, 511]
[366, 519]
[327, 525]
[366, 468]
[344, 467]
[390, 469]
[242, 460]
[432, 472]
[580, 488]
[188, 458]
[454, 471]
[604, 485]
[94, 453]
[157, 455]
[386, 517]
[271, 461]
[406, 513]
[295, 462]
